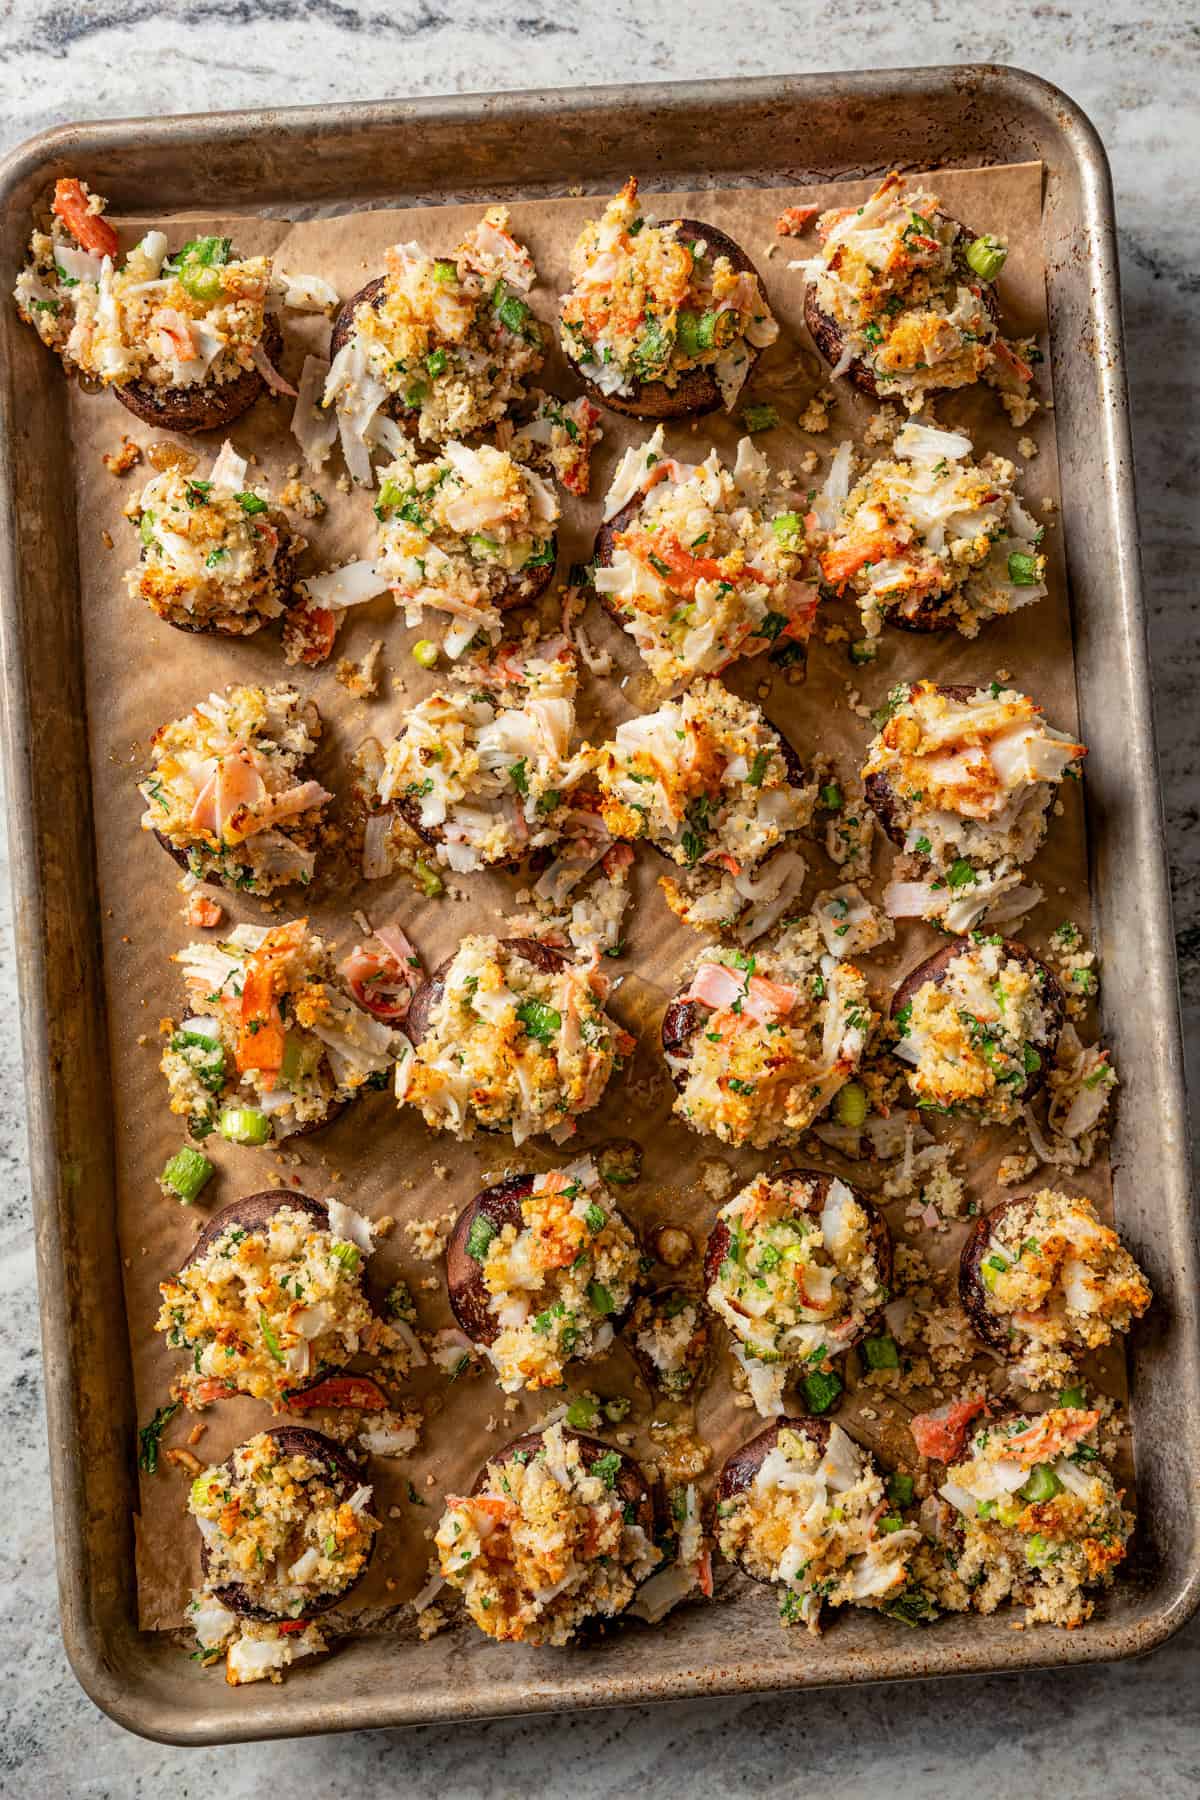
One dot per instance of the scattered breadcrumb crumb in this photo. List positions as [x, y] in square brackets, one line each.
[361, 679]
[299, 497]
[1027, 447]
[427, 1237]
[119, 462]
[815, 417]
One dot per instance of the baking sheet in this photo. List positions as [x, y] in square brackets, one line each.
[141, 673]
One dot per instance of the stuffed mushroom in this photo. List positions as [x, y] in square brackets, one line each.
[901, 298]
[484, 773]
[287, 1531]
[556, 1535]
[963, 779]
[443, 344]
[469, 535]
[271, 1299]
[929, 539]
[272, 1044]
[1043, 1279]
[802, 1507]
[510, 1034]
[757, 1046]
[228, 794]
[668, 1337]
[540, 1270]
[978, 1024]
[1031, 1514]
[706, 779]
[215, 556]
[799, 1267]
[661, 320]
[702, 564]
[183, 340]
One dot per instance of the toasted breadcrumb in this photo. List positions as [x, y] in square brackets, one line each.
[361, 678]
[815, 417]
[299, 497]
[119, 462]
[427, 1237]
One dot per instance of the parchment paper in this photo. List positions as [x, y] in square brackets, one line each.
[141, 673]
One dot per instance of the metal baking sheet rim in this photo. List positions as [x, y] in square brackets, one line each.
[918, 118]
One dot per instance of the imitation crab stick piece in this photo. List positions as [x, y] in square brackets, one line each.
[1051, 1434]
[795, 219]
[716, 986]
[261, 1037]
[341, 1390]
[204, 913]
[89, 229]
[943, 1432]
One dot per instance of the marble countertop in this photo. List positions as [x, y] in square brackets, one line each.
[1136, 70]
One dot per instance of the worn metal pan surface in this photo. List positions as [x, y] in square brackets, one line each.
[788, 129]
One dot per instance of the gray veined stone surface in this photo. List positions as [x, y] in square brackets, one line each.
[1118, 1732]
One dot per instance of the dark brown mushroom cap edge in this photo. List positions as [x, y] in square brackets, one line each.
[934, 969]
[530, 950]
[819, 1184]
[881, 796]
[992, 1327]
[742, 1465]
[500, 1205]
[297, 1440]
[696, 391]
[829, 338]
[207, 405]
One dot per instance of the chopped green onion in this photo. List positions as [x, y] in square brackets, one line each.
[821, 1389]
[960, 873]
[149, 1436]
[1043, 1484]
[759, 418]
[1039, 1550]
[1073, 1396]
[1022, 569]
[881, 1352]
[430, 881]
[425, 653]
[850, 1104]
[900, 1489]
[244, 1125]
[348, 1255]
[445, 272]
[479, 1237]
[185, 1175]
[830, 797]
[602, 1301]
[540, 1021]
[269, 1338]
[583, 1414]
[786, 527]
[595, 1218]
[987, 256]
[758, 768]
[435, 362]
[863, 650]
[251, 503]
[891, 1522]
